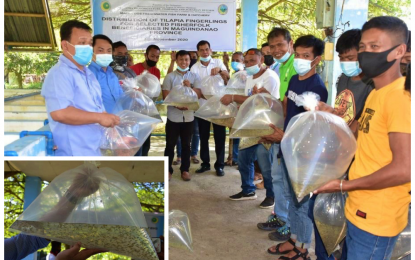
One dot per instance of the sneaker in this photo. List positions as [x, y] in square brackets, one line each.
[267, 203]
[281, 234]
[273, 223]
[243, 196]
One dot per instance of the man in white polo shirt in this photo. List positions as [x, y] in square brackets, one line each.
[207, 66]
[249, 149]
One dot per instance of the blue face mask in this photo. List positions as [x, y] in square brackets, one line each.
[237, 66]
[83, 54]
[205, 59]
[283, 58]
[350, 68]
[103, 60]
[302, 66]
[252, 70]
[182, 70]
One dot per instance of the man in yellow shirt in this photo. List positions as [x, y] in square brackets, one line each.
[379, 178]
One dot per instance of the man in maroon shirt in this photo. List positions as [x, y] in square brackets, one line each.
[152, 56]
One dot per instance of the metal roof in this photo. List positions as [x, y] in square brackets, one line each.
[27, 23]
[133, 171]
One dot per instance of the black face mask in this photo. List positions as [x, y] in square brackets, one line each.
[374, 64]
[268, 60]
[120, 60]
[151, 63]
[192, 62]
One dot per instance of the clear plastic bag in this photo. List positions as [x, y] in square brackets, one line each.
[126, 138]
[150, 84]
[216, 112]
[317, 147]
[212, 85]
[180, 235]
[403, 245]
[130, 84]
[136, 101]
[182, 96]
[236, 84]
[256, 114]
[97, 207]
[330, 219]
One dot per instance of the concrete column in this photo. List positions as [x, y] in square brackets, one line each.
[249, 24]
[33, 187]
[355, 14]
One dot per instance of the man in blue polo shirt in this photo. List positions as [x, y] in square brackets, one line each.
[108, 80]
[73, 96]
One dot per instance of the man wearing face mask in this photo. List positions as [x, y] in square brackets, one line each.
[73, 96]
[297, 230]
[180, 120]
[249, 149]
[152, 56]
[204, 67]
[268, 59]
[379, 182]
[110, 86]
[282, 50]
[120, 56]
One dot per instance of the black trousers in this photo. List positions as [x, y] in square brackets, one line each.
[146, 146]
[219, 134]
[173, 131]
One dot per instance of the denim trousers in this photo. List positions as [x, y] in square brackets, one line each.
[265, 160]
[235, 149]
[195, 141]
[281, 188]
[366, 246]
[246, 161]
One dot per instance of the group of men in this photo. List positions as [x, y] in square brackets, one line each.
[371, 98]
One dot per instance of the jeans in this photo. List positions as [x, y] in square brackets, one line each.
[246, 161]
[300, 224]
[320, 250]
[173, 131]
[194, 144]
[139, 152]
[235, 149]
[281, 188]
[219, 134]
[363, 245]
[265, 159]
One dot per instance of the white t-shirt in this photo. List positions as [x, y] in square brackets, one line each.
[204, 71]
[270, 80]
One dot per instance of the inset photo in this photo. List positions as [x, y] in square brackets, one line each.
[84, 209]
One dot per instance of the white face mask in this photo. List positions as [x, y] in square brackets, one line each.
[302, 66]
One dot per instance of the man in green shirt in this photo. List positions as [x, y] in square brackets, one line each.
[281, 45]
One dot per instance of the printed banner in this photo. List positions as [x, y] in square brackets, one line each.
[171, 25]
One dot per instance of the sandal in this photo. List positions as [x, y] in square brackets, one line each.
[297, 256]
[177, 162]
[195, 160]
[277, 248]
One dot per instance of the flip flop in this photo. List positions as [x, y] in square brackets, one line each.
[277, 248]
[177, 162]
[195, 160]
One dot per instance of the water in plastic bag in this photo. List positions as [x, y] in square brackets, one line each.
[126, 138]
[330, 219]
[182, 96]
[403, 245]
[236, 84]
[256, 114]
[216, 112]
[212, 85]
[317, 147]
[135, 101]
[149, 84]
[180, 235]
[97, 207]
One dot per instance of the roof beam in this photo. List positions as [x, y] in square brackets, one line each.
[39, 44]
[25, 15]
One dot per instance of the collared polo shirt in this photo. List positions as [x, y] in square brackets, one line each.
[66, 85]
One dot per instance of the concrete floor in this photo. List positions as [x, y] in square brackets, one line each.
[221, 228]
